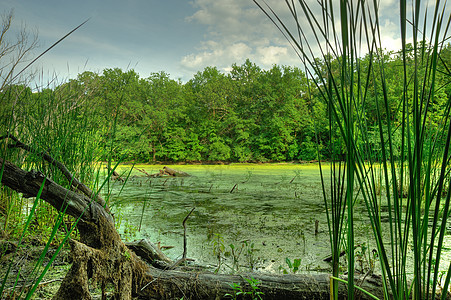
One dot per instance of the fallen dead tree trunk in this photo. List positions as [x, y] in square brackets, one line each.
[76, 204]
[175, 173]
[175, 284]
[142, 171]
[101, 259]
[194, 282]
[168, 172]
[75, 183]
[115, 176]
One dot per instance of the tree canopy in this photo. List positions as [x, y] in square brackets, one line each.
[246, 115]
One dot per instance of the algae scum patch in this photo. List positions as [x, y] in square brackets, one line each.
[246, 216]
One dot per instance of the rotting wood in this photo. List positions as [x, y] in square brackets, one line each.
[29, 183]
[184, 232]
[143, 171]
[175, 284]
[168, 172]
[148, 251]
[76, 184]
[175, 173]
[115, 175]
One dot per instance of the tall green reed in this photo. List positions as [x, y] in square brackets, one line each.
[334, 200]
[56, 123]
[413, 138]
[60, 122]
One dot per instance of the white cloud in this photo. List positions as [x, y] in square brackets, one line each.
[195, 61]
[236, 30]
[239, 50]
[272, 55]
[390, 37]
[181, 39]
[216, 54]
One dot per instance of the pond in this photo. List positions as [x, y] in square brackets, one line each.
[246, 216]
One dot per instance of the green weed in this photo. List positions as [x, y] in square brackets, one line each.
[254, 292]
[293, 267]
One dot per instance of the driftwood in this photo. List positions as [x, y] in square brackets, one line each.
[149, 252]
[115, 175]
[101, 258]
[168, 172]
[175, 173]
[143, 171]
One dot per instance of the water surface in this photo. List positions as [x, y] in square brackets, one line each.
[253, 216]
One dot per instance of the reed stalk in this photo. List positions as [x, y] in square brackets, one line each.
[412, 139]
[58, 122]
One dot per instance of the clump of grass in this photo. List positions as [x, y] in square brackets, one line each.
[55, 122]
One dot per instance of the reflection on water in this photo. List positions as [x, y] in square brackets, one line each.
[252, 215]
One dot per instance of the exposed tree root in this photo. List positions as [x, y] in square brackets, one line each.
[108, 264]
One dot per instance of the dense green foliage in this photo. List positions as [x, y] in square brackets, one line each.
[247, 115]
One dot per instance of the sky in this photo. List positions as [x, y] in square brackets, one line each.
[174, 36]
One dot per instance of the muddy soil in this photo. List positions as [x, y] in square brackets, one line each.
[24, 269]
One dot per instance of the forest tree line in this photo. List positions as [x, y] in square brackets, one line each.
[246, 115]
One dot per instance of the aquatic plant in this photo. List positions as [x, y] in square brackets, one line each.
[238, 290]
[293, 267]
[218, 249]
